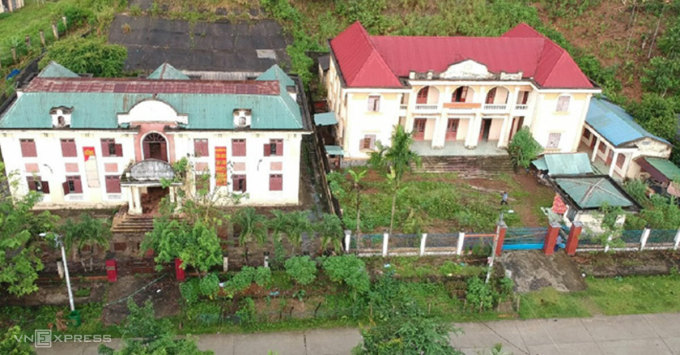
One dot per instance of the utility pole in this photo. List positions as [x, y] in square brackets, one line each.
[59, 242]
[493, 249]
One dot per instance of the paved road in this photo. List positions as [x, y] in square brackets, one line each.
[648, 334]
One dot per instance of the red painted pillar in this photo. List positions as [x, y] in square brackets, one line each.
[111, 270]
[551, 239]
[502, 228]
[179, 272]
[572, 240]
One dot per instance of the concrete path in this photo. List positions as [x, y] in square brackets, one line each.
[646, 334]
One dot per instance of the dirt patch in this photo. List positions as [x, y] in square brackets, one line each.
[653, 262]
[532, 270]
[164, 294]
[55, 293]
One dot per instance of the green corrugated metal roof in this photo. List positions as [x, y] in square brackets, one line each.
[167, 71]
[540, 164]
[56, 70]
[325, 119]
[593, 192]
[568, 164]
[664, 166]
[334, 150]
[205, 111]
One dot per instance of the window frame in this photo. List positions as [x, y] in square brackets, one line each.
[559, 107]
[548, 144]
[28, 148]
[69, 143]
[373, 103]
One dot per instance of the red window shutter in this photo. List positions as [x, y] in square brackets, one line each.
[275, 182]
[267, 150]
[245, 188]
[31, 183]
[28, 148]
[68, 148]
[113, 184]
[105, 147]
[65, 187]
[238, 147]
[45, 187]
[119, 150]
[77, 185]
[279, 147]
[201, 147]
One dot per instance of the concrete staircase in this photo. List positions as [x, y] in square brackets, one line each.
[124, 223]
[467, 164]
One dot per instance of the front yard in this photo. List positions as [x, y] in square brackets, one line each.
[442, 202]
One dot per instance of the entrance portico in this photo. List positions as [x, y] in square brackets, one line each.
[142, 177]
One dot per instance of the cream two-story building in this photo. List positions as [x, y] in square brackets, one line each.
[458, 95]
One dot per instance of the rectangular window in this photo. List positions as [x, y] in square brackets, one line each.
[554, 140]
[620, 160]
[586, 134]
[368, 142]
[275, 182]
[238, 147]
[68, 148]
[110, 148]
[72, 185]
[201, 147]
[28, 148]
[602, 148]
[563, 103]
[113, 184]
[35, 184]
[274, 147]
[374, 103]
[239, 183]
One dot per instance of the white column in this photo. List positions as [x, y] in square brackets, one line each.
[474, 126]
[595, 148]
[613, 163]
[505, 132]
[439, 134]
[644, 237]
[348, 235]
[386, 238]
[136, 201]
[423, 241]
[461, 240]
[606, 246]
[626, 164]
[131, 200]
[171, 193]
[677, 240]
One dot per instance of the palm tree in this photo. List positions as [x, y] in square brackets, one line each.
[357, 177]
[330, 231]
[277, 224]
[394, 161]
[253, 228]
[87, 232]
[297, 223]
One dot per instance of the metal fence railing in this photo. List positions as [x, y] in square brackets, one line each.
[661, 236]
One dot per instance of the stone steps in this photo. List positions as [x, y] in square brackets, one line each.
[132, 224]
[467, 164]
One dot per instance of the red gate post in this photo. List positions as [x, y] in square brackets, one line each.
[551, 239]
[572, 240]
[111, 270]
[179, 272]
[502, 228]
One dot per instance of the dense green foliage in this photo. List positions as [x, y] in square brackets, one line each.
[523, 148]
[19, 242]
[656, 114]
[329, 229]
[143, 334]
[87, 55]
[86, 233]
[302, 269]
[9, 344]
[348, 270]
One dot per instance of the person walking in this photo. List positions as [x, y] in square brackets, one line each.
[504, 198]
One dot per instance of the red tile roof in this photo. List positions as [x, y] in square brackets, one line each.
[379, 61]
[142, 86]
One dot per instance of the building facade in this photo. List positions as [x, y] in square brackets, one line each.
[458, 95]
[93, 142]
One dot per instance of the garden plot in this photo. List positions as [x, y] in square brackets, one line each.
[441, 202]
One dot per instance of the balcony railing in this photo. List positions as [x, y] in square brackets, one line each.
[495, 107]
[425, 107]
[521, 107]
[462, 106]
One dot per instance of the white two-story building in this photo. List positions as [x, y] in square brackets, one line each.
[98, 142]
[458, 95]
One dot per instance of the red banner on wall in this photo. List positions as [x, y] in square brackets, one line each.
[220, 166]
[88, 152]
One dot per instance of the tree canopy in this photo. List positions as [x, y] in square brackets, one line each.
[523, 148]
[87, 55]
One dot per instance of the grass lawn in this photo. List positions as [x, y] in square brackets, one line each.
[608, 296]
[441, 202]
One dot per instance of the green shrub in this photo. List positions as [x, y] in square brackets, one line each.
[262, 276]
[480, 296]
[350, 270]
[302, 269]
[87, 55]
[523, 148]
[189, 290]
[450, 268]
[209, 285]
[247, 313]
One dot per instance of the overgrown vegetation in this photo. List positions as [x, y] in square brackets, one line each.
[658, 212]
[523, 148]
[87, 55]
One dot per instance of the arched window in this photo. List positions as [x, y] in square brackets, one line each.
[461, 94]
[155, 147]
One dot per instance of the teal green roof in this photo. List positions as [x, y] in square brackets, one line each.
[565, 164]
[665, 167]
[615, 124]
[56, 70]
[593, 192]
[334, 150]
[205, 111]
[325, 119]
[167, 71]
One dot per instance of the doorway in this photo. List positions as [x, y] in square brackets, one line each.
[485, 130]
[155, 147]
[150, 201]
[419, 129]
